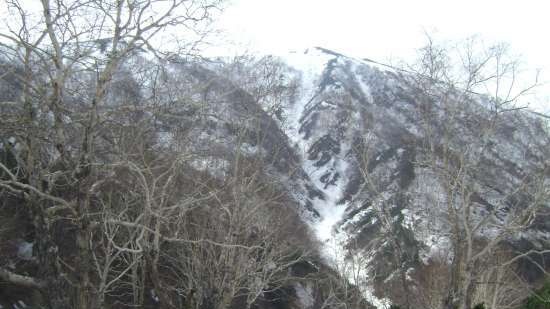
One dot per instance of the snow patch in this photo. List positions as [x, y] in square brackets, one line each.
[25, 250]
[312, 64]
[217, 167]
[249, 150]
[305, 296]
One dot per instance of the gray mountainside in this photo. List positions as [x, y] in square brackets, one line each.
[363, 128]
[353, 149]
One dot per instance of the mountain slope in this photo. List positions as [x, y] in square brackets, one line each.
[350, 168]
[361, 129]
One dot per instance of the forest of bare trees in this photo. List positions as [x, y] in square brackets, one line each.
[471, 269]
[479, 265]
[104, 168]
[116, 213]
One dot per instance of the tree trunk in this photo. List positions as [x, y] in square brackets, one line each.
[47, 253]
[468, 286]
[164, 299]
[84, 292]
[455, 296]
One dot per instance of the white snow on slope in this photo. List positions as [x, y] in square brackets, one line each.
[311, 64]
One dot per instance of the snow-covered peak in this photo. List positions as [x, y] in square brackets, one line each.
[346, 105]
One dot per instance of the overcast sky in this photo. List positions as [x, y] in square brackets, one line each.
[383, 30]
[389, 29]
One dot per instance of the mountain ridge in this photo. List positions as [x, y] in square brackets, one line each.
[354, 155]
[344, 93]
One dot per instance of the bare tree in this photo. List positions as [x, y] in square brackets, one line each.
[69, 54]
[450, 87]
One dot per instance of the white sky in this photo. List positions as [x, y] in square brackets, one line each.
[384, 30]
[389, 29]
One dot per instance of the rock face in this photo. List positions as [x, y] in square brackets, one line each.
[361, 130]
[350, 145]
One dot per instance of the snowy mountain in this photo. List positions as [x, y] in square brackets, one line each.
[356, 149]
[348, 107]
[350, 148]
